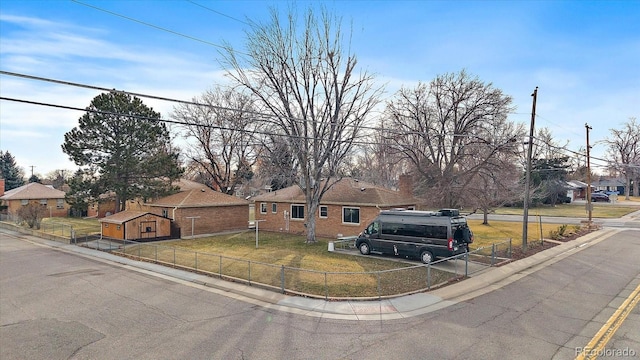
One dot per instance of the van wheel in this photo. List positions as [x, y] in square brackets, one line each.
[426, 257]
[364, 248]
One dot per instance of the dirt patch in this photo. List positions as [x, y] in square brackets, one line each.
[537, 246]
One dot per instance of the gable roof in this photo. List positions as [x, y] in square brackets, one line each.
[124, 216]
[33, 191]
[347, 191]
[201, 197]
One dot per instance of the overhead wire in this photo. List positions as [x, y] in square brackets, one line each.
[259, 115]
[159, 27]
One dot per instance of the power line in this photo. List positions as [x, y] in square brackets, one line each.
[218, 12]
[249, 112]
[159, 27]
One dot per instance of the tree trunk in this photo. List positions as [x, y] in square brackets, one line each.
[311, 222]
[485, 216]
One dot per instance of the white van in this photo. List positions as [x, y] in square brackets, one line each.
[424, 235]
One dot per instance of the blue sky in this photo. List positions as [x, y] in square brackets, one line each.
[583, 55]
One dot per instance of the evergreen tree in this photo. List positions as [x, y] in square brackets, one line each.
[13, 176]
[122, 144]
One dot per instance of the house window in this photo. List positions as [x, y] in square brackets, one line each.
[297, 212]
[60, 204]
[118, 227]
[411, 208]
[106, 225]
[165, 212]
[324, 211]
[24, 202]
[263, 208]
[274, 208]
[350, 215]
[43, 202]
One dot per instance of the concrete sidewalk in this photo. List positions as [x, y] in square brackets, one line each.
[384, 309]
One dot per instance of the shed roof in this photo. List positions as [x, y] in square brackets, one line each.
[124, 216]
[347, 191]
[32, 191]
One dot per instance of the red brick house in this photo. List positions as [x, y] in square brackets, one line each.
[36, 193]
[346, 208]
[202, 211]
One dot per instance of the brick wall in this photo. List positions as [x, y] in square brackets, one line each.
[52, 210]
[210, 220]
[329, 227]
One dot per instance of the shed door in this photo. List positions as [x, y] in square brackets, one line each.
[147, 229]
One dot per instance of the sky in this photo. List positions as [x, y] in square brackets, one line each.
[584, 57]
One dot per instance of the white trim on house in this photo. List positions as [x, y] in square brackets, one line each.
[343, 215]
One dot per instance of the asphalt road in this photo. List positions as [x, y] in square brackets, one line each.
[56, 305]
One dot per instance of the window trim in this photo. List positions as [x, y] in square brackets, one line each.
[343, 213]
[291, 212]
[274, 208]
[326, 215]
[60, 204]
[263, 208]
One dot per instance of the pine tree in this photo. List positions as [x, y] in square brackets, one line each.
[13, 176]
[123, 144]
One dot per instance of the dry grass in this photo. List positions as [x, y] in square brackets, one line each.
[499, 231]
[572, 210]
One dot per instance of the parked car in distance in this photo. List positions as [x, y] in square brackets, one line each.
[595, 197]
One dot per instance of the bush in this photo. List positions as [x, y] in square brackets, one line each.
[32, 214]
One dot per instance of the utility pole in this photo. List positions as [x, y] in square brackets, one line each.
[527, 182]
[589, 206]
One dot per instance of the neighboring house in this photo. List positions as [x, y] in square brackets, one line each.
[346, 208]
[135, 225]
[576, 189]
[609, 184]
[36, 193]
[202, 211]
[104, 206]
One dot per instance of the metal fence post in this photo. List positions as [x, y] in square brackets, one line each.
[282, 278]
[428, 276]
[509, 248]
[493, 253]
[326, 287]
[466, 264]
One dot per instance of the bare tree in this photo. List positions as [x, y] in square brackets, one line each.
[32, 214]
[497, 178]
[624, 148]
[221, 121]
[377, 161]
[58, 178]
[306, 81]
[438, 125]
